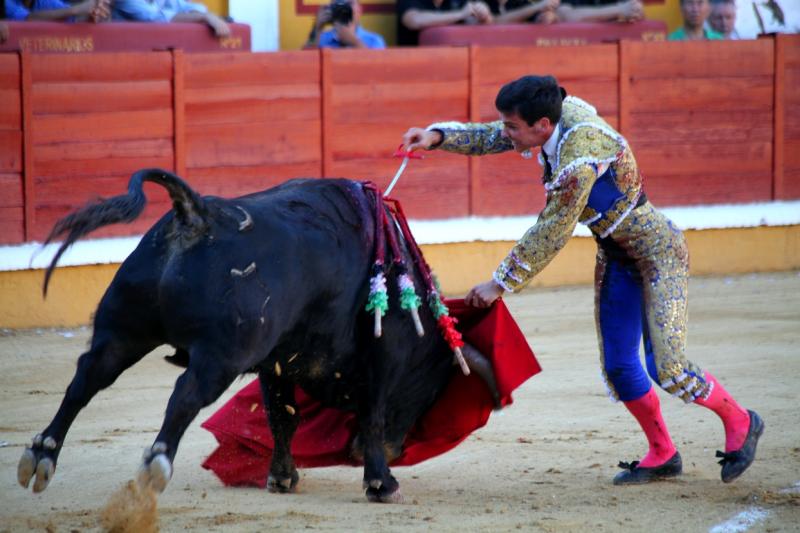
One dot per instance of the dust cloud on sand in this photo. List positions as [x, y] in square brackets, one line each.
[131, 509]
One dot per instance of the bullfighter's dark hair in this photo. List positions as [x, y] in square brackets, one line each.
[531, 98]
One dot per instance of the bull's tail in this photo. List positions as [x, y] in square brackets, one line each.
[188, 205]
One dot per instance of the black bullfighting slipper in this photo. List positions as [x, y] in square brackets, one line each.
[636, 475]
[735, 463]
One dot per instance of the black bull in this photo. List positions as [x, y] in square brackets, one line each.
[275, 283]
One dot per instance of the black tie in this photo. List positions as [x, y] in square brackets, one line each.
[548, 170]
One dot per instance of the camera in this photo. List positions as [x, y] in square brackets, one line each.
[341, 12]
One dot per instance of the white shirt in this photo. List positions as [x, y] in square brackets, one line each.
[551, 145]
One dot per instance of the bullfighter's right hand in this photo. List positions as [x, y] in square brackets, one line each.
[418, 138]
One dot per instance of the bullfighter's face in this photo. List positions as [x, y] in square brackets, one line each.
[523, 135]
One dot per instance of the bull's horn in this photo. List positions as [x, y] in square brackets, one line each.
[461, 362]
[480, 365]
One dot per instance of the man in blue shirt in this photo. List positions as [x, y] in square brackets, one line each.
[94, 10]
[346, 31]
[169, 11]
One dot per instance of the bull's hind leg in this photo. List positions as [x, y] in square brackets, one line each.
[380, 484]
[206, 378]
[283, 419]
[108, 357]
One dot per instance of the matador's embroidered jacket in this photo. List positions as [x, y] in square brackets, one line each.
[594, 180]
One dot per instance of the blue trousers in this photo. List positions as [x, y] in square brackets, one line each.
[641, 293]
[621, 326]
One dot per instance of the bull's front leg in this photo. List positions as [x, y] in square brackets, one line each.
[283, 419]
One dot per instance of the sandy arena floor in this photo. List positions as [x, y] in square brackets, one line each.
[544, 464]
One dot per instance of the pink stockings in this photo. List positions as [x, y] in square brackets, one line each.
[735, 419]
[647, 411]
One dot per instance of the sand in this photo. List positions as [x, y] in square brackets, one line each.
[543, 464]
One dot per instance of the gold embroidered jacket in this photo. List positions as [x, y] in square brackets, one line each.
[594, 180]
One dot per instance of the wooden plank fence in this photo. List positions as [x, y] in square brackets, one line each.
[709, 123]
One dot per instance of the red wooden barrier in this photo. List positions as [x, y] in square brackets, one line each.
[787, 130]
[709, 123]
[252, 120]
[95, 120]
[11, 200]
[372, 97]
[699, 118]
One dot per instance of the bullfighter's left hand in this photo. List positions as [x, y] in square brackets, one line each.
[484, 294]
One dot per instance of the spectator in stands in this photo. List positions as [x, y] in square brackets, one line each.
[536, 11]
[600, 11]
[416, 15]
[93, 10]
[169, 11]
[346, 32]
[723, 18]
[695, 13]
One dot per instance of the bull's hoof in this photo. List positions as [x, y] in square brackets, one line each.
[37, 462]
[26, 467]
[283, 485]
[156, 470]
[44, 473]
[379, 491]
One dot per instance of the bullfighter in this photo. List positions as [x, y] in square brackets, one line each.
[642, 269]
